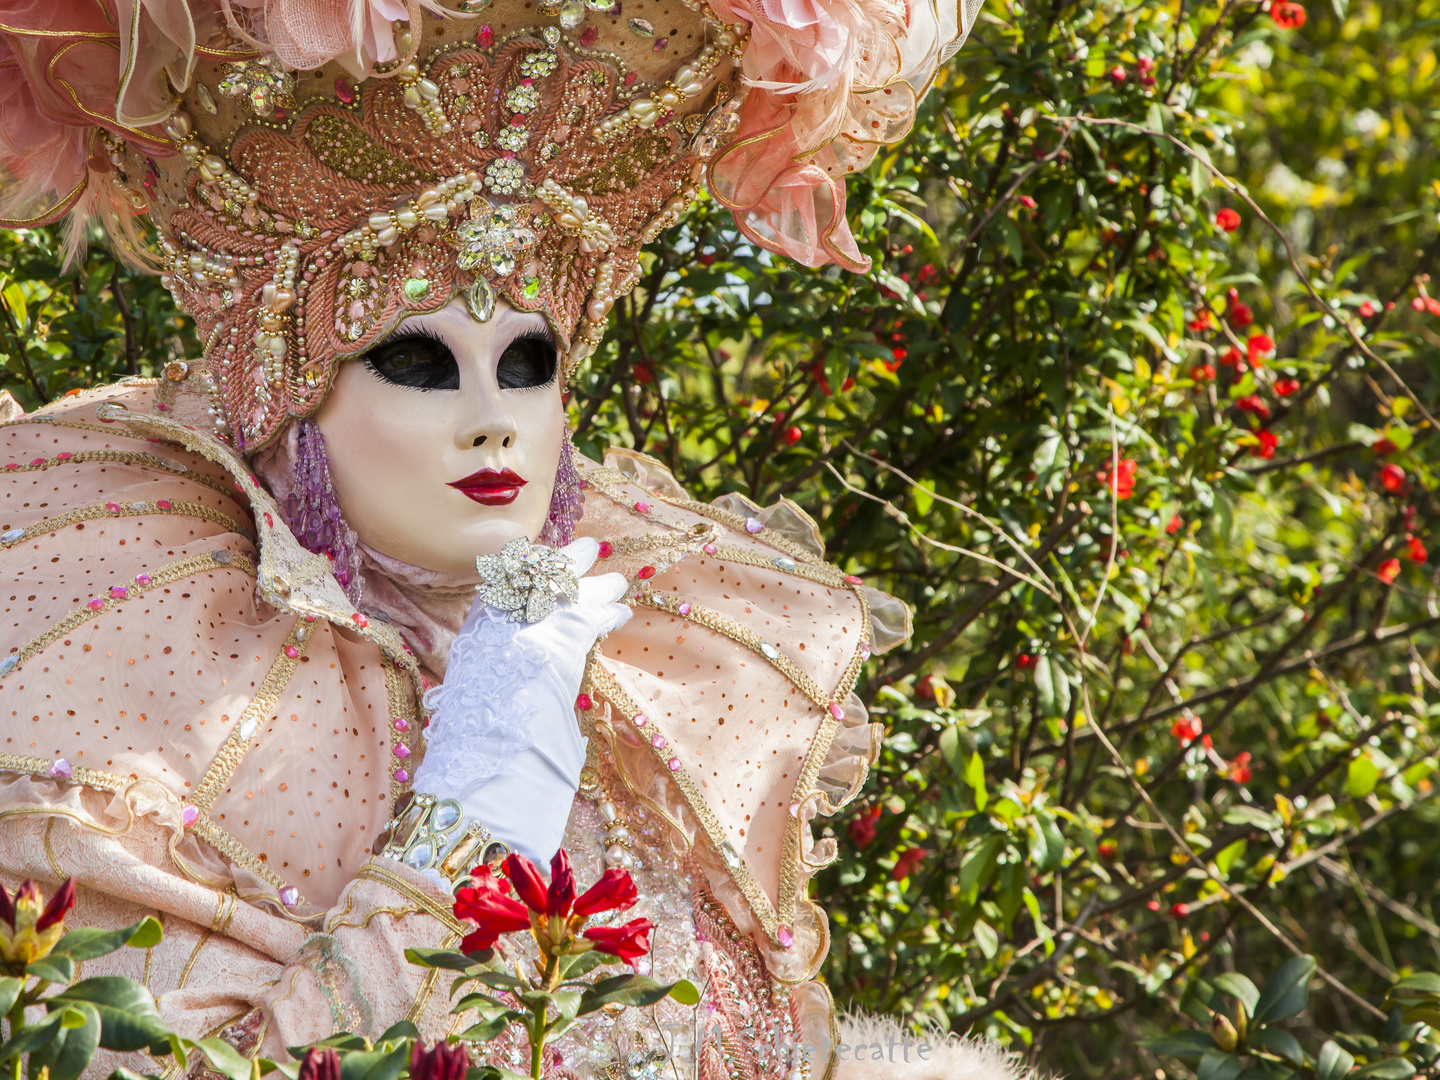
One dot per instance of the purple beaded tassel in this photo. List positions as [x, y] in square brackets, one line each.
[566, 503]
[313, 512]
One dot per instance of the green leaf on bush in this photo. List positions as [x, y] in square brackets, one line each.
[986, 938]
[486, 1030]
[33, 1036]
[685, 992]
[1280, 1043]
[1286, 992]
[57, 969]
[975, 777]
[447, 959]
[10, 988]
[128, 1015]
[1238, 987]
[67, 1055]
[1185, 1045]
[1334, 1061]
[368, 1064]
[1361, 777]
[630, 989]
[88, 942]
[1218, 1065]
[1391, 1068]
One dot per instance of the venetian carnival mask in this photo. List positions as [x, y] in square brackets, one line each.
[444, 441]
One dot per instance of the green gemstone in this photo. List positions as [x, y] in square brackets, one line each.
[532, 288]
[417, 288]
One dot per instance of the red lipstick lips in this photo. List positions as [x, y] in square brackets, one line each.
[491, 488]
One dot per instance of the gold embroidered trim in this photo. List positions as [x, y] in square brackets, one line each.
[760, 904]
[127, 457]
[370, 916]
[427, 988]
[194, 956]
[247, 726]
[165, 575]
[50, 853]
[146, 508]
[236, 852]
[372, 871]
[78, 424]
[399, 697]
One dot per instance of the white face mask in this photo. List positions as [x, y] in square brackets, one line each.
[430, 434]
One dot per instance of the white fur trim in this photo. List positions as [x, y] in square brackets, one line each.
[949, 1056]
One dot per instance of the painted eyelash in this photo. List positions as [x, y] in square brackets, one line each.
[544, 334]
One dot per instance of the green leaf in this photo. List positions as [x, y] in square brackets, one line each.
[56, 969]
[1361, 776]
[127, 1011]
[1185, 1045]
[1218, 1065]
[1226, 856]
[401, 1029]
[581, 964]
[372, 1064]
[88, 942]
[33, 1036]
[447, 959]
[486, 1030]
[1286, 992]
[629, 989]
[1391, 1068]
[1334, 1061]
[1280, 1043]
[484, 1004]
[1047, 845]
[986, 938]
[10, 988]
[67, 1055]
[685, 992]
[975, 777]
[1239, 987]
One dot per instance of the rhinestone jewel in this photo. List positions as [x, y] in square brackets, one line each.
[289, 896]
[444, 815]
[642, 28]
[61, 769]
[729, 854]
[753, 525]
[417, 288]
[481, 299]
[247, 727]
[10, 536]
[572, 14]
[784, 562]
[771, 653]
[344, 91]
[206, 99]
[9, 663]
[525, 579]
[189, 815]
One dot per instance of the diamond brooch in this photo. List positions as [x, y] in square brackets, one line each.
[526, 579]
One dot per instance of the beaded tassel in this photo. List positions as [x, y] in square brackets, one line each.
[566, 503]
[313, 512]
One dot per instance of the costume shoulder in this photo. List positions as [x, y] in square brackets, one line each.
[728, 698]
[149, 648]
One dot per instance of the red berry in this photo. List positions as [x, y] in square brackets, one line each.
[1227, 219]
[793, 435]
[1389, 570]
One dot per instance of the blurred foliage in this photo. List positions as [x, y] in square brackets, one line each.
[1136, 411]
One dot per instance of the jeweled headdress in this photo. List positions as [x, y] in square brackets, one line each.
[317, 170]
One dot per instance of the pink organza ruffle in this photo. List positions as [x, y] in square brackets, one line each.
[828, 82]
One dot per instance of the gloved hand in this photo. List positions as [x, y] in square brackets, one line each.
[503, 738]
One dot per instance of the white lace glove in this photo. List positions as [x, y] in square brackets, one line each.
[503, 739]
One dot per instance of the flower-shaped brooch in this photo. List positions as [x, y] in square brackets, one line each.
[525, 580]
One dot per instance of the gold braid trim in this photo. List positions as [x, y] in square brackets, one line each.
[606, 685]
[247, 725]
[373, 871]
[127, 457]
[165, 575]
[237, 852]
[138, 508]
[397, 691]
[427, 988]
[79, 425]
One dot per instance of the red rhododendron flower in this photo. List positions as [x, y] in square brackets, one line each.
[1389, 570]
[862, 827]
[1288, 15]
[1122, 484]
[1251, 403]
[443, 1061]
[488, 905]
[1286, 387]
[628, 942]
[320, 1063]
[1383, 447]
[1227, 219]
[1240, 768]
[1231, 357]
[615, 891]
[899, 352]
[1265, 448]
[1174, 525]
[1257, 348]
[907, 862]
[1203, 320]
[1186, 729]
[1417, 551]
[1203, 372]
[1392, 478]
